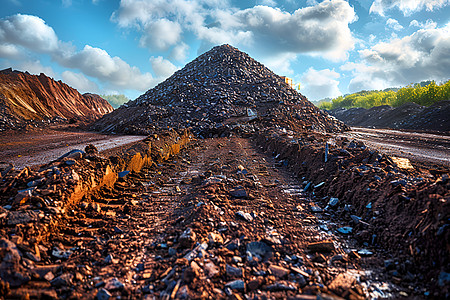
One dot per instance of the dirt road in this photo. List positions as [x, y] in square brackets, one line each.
[419, 147]
[41, 146]
[222, 220]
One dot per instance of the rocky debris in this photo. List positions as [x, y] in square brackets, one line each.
[408, 116]
[35, 100]
[221, 91]
[381, 202]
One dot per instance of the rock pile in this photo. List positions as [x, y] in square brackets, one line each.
[217, 92]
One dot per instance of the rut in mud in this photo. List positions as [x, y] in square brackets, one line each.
[222, 219]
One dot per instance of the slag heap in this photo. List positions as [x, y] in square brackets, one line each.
[222, 90]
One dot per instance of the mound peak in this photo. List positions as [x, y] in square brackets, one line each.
[217, 92]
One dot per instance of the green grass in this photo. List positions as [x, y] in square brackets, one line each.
[425, 93]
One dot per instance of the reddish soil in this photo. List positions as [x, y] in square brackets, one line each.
[186, 229]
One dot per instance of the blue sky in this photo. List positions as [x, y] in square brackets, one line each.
[330, 47]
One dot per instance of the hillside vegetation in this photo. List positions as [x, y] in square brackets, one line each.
[425, 93]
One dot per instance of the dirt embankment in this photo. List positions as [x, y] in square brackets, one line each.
[396, 206]
[408, 116]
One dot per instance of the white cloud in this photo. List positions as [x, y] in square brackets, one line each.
[162, 67]
[281, 63]
[429, 24]
[98, 63]
[420, 56]
[394, 24]
[35, 67]
[66, 3]
[9, 51]
[319, 84]
[407, 7]
[268, 3]
[179, 52]
[31, 33]
[321, 29]
[79, 82]
[28, 31]
[161, 34]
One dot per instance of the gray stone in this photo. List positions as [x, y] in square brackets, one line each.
[233, 271]
[237, 285]
[103, 294]
[63, 280]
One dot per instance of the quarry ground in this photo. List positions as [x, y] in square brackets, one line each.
[423, 148]
[222, 219]
[40, 145]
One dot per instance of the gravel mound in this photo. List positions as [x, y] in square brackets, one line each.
[217, 92]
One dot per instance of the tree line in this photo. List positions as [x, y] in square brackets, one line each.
[424, 93]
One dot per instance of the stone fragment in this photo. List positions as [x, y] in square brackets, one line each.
[211, 270]
[323, 246]
[259, 250]
[187, 238]
[245, 216]
[114, 284]
[278, 271]
[238, 192]
[103, 294]
[62, 280]
[237, 285]
[233, 271]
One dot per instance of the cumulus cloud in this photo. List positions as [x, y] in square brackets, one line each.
[179, 52]
[321, 29]
[35, 67]
[407, 7]
[98, 63]
[28, 31]
[420, 56]
[161, 34]
[429, 24]
[319, 84]
[394, 24]
[33, 34]
[162, 67]
[79, 82]
[9, 51]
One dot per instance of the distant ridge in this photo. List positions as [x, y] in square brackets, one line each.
[36, 97]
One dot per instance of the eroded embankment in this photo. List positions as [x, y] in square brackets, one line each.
[401, 208]
[35, 200]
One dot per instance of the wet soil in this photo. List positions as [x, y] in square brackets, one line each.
[221, 220]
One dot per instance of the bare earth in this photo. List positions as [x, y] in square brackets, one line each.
[418, 147]
[41, 146]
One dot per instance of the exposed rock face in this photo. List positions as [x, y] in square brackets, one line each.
[215, 92]
[36, 97]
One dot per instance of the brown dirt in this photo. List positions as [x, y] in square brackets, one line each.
[134, 232]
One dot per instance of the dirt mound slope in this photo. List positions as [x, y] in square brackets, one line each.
[37, 97]
[408, 116]
[212, 94]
